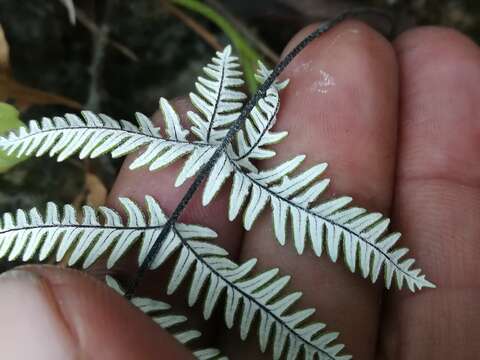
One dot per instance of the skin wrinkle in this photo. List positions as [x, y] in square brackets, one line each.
[326, 53]
[301, 67]
[322, 85]
[50, 286]
[49, 296]
[442, 179]
[102, 318]
[57, 305]
[327, 80]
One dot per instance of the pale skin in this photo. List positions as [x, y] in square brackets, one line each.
[401, 131]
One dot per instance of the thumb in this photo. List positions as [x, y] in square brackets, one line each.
[51, 313]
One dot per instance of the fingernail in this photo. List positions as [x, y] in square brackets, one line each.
[33, 326]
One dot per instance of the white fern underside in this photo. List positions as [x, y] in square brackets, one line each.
[95, 135]
[218, 101]
[333, 225]
[83, 239]
[160, 313]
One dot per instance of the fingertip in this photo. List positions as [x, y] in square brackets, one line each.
[435, 39]
[344, 88]
[365, 38]
[60, 314]
[33, 319]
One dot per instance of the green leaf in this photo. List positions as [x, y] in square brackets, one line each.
[9, 120]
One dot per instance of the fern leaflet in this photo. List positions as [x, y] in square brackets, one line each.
[160, 314]
[219, 101]
[28, 234]
[95, 135]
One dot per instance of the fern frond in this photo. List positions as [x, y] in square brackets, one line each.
[160, 313]
[29, 236]
[333, 224]
[250, 143]
[94, 135]
[218, 99]
[246, 295]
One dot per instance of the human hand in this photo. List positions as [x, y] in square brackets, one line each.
[398, 126]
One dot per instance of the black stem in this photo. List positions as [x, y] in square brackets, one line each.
[205, 170]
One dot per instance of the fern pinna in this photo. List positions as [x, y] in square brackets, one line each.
[332, 226]
[159, 312]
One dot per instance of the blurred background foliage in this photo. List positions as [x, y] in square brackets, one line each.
[118, 57]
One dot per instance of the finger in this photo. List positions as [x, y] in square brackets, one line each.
[135, 184]
[48, 313]
[340, 107]
[437, 196]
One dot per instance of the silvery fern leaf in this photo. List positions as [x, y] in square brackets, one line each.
[84, 238]
[333, 224]
[95, 135]
[218, 99]
[250, 143]
[247, 295]
[249, 146]
[160, 313]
